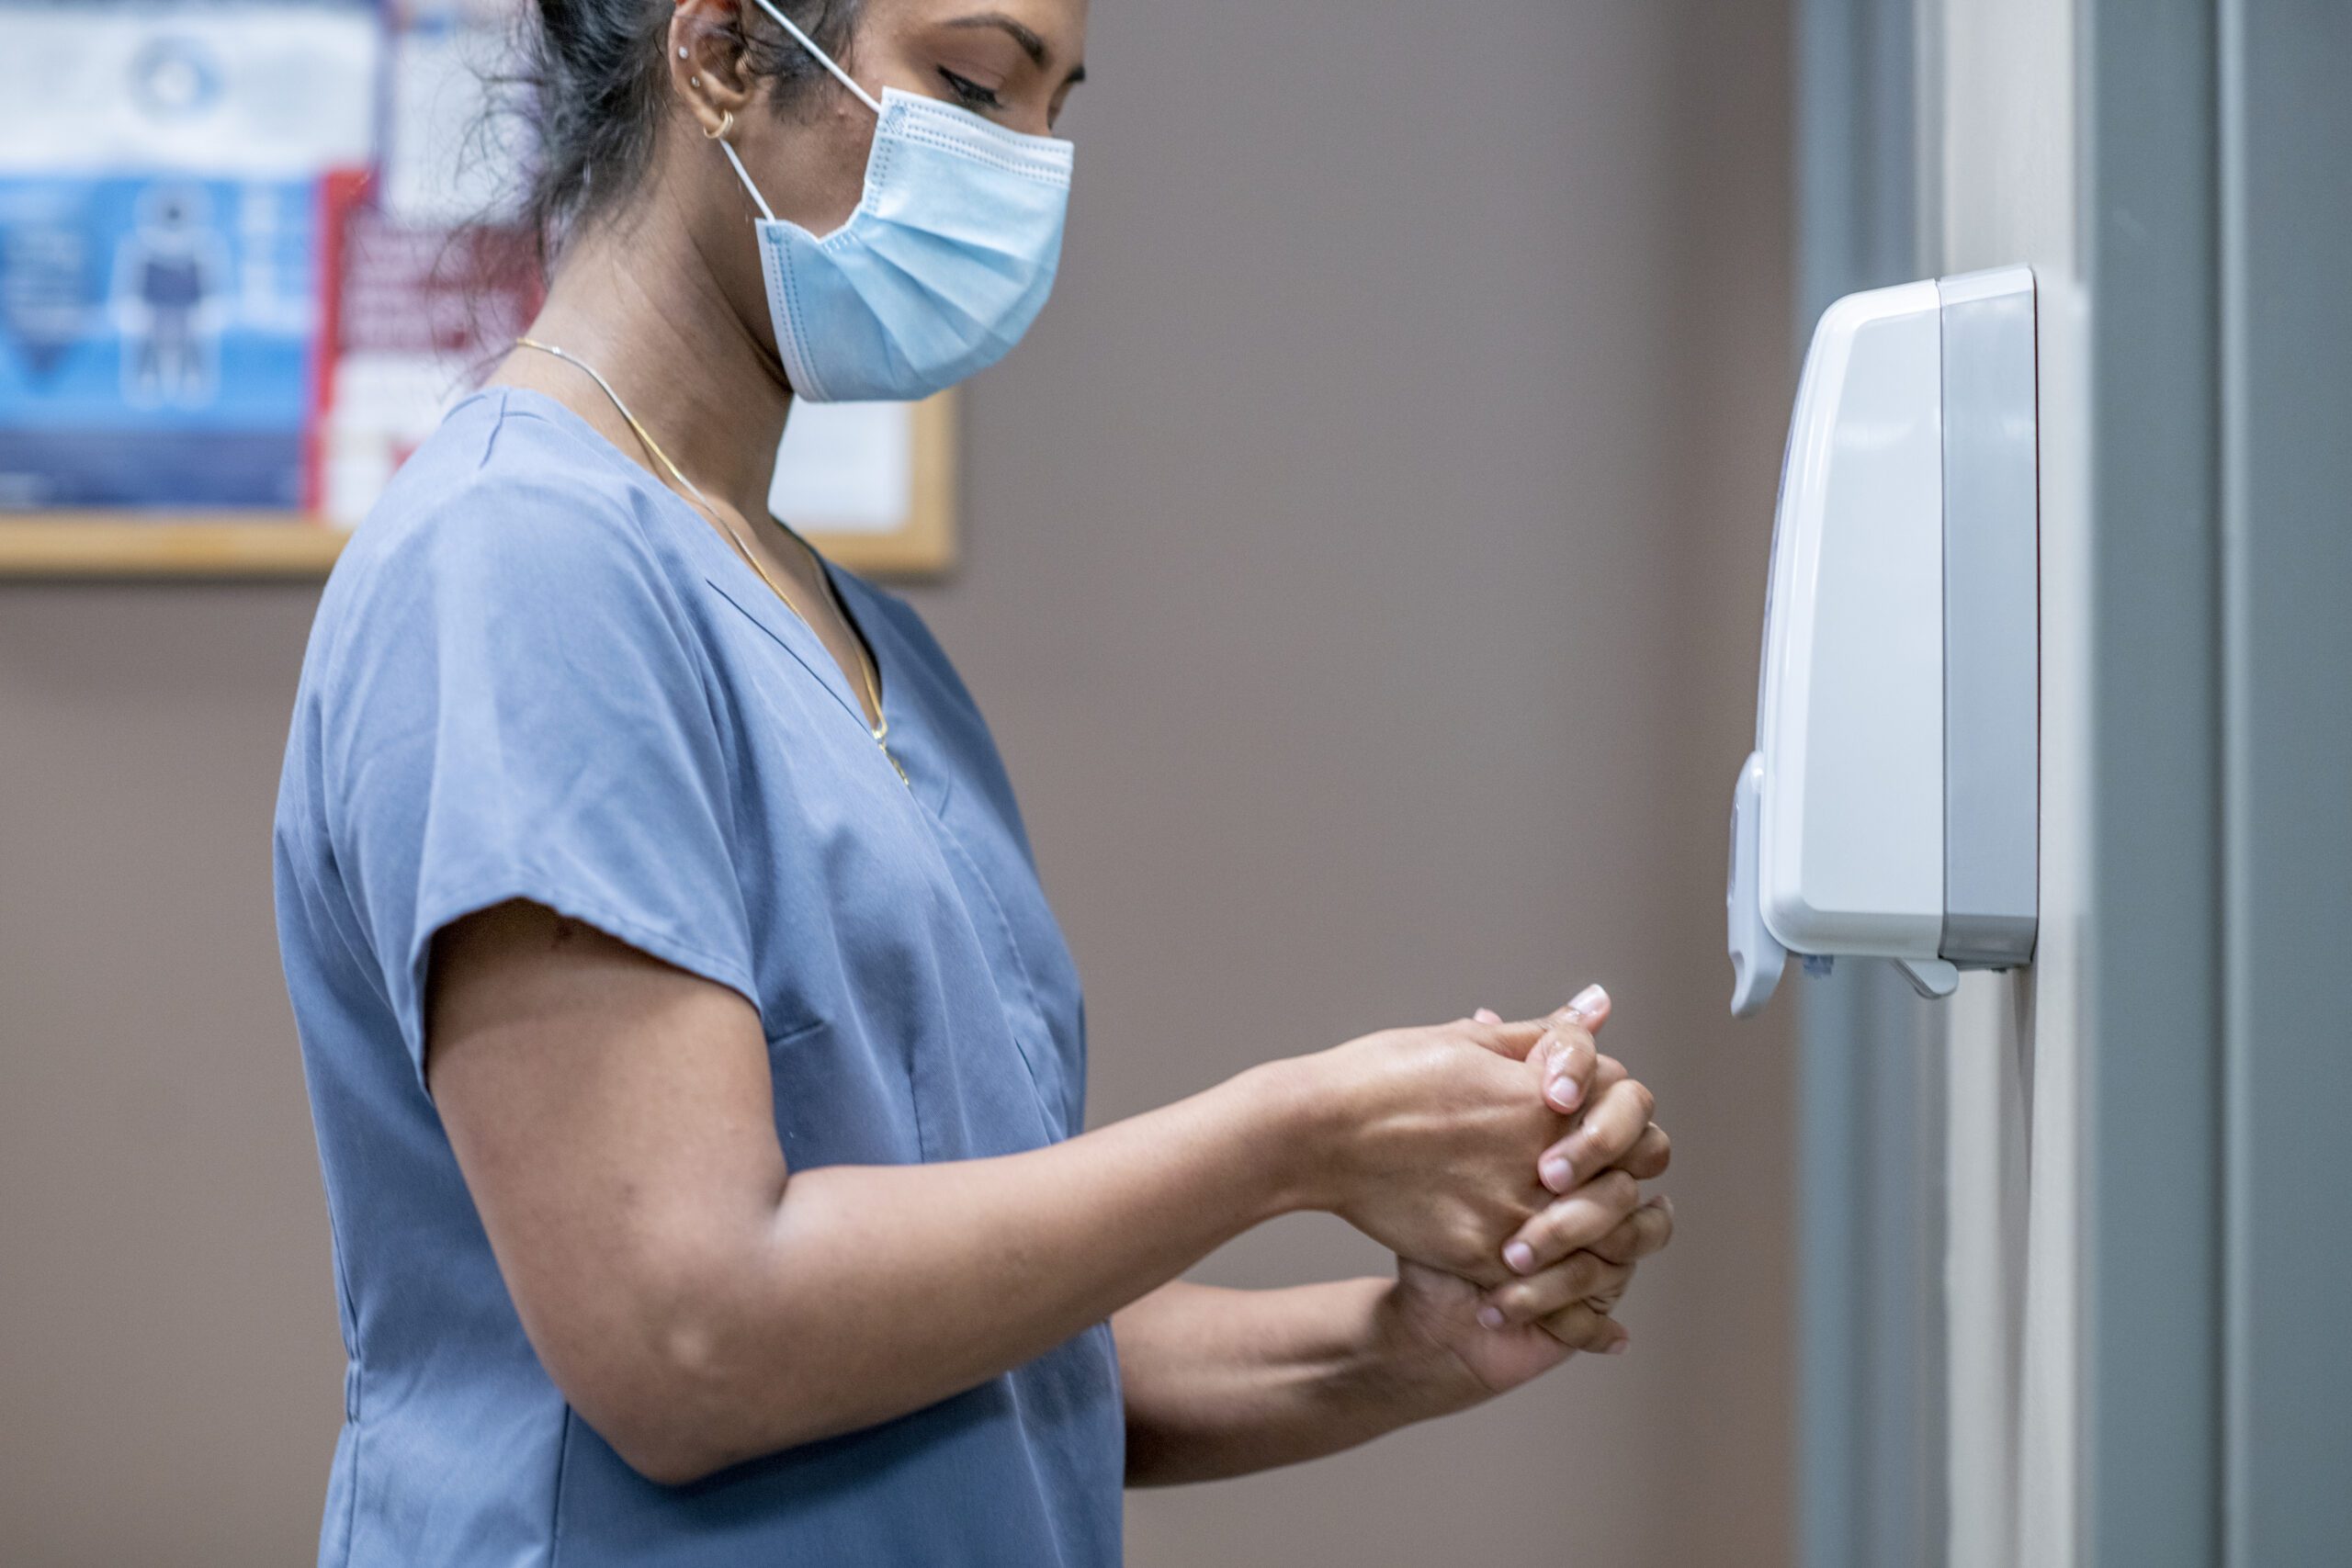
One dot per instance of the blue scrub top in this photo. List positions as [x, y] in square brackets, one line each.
[537, 673]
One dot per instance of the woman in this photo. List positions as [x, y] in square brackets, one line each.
[697, 1068]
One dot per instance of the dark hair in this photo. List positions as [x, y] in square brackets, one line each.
[595, 84]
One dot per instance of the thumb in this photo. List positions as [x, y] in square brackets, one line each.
[1535, 1038]
[1565, 1050]
[1519, 1041]
[1590, 1008]
[1587, 1012]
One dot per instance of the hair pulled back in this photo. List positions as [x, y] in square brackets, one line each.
[594, 76]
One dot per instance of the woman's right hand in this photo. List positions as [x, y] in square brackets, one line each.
[1431, 1138]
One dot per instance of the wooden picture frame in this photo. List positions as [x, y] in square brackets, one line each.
[288, 545]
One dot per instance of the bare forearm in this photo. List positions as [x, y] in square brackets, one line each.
[871, 1292]
[1226, 1382]
[701, 1304]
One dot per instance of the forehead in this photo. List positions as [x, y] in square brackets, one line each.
[1058, 24]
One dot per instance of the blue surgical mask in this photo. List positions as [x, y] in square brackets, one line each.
[939, 272]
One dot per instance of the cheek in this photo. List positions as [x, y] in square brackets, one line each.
[821, 172]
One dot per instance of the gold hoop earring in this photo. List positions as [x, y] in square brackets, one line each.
[725, 127]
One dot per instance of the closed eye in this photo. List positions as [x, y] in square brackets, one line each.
[971, 93]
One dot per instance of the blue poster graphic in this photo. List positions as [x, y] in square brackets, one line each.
[156, 339]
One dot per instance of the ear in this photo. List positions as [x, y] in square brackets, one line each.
[708, 68]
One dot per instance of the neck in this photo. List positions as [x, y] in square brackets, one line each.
[637, 299]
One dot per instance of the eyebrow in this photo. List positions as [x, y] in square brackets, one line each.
[1030, 44]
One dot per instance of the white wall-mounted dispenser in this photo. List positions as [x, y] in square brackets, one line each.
[1892, 806]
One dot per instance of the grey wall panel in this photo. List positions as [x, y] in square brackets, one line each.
[2287, 650]
[2151, 1085]
[1871, 1423]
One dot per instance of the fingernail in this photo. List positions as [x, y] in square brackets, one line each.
[1520, 1258]
[1587, 1002]
[1563, 1093]
[1490, 1317]
[1487, 1015]
[1619, 1347]
[1556, 1173]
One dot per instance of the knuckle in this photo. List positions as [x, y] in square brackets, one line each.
[1636, 1239]
[1573, 1326]
[1622, 1133]
[1553, 1289]
[1644, 1100]
[1475, 1262]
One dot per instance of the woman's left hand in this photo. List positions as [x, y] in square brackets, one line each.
[1546, 1317]
[1521, 1330]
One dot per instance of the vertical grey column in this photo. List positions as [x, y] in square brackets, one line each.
[1870, 1449]
[2286, 138]
[2150, 1413]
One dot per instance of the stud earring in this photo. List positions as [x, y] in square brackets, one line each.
[682, 53]
[694, 81]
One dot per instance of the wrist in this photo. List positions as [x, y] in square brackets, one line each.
[1418, 1376]
[1294, 1123]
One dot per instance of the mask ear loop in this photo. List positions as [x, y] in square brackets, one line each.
[843, 77]
[766, 212]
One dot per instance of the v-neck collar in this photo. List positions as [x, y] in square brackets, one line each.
[747, 592]
[733, 579]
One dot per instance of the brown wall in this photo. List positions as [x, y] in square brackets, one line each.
[1365, 566]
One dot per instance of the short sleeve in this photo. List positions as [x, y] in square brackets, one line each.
[516, 708]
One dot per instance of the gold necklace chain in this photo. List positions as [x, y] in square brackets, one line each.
[880, 728]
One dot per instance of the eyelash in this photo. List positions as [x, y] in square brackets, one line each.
[971, 92]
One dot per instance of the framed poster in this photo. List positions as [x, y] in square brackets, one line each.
[251, 252]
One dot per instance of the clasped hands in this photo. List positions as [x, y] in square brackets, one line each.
[1502, 1162]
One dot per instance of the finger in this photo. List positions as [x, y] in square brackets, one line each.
[1643, 1232]
[1570, 1061]
[1584, 1014]
[1586, 1327]
[1504, 1037]
[1607, 1072]
[1559, 1047]
[1586, 1011]
[1649, 1157]
[1565, 1225]
[1618, 1115]
[1579, 1276]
